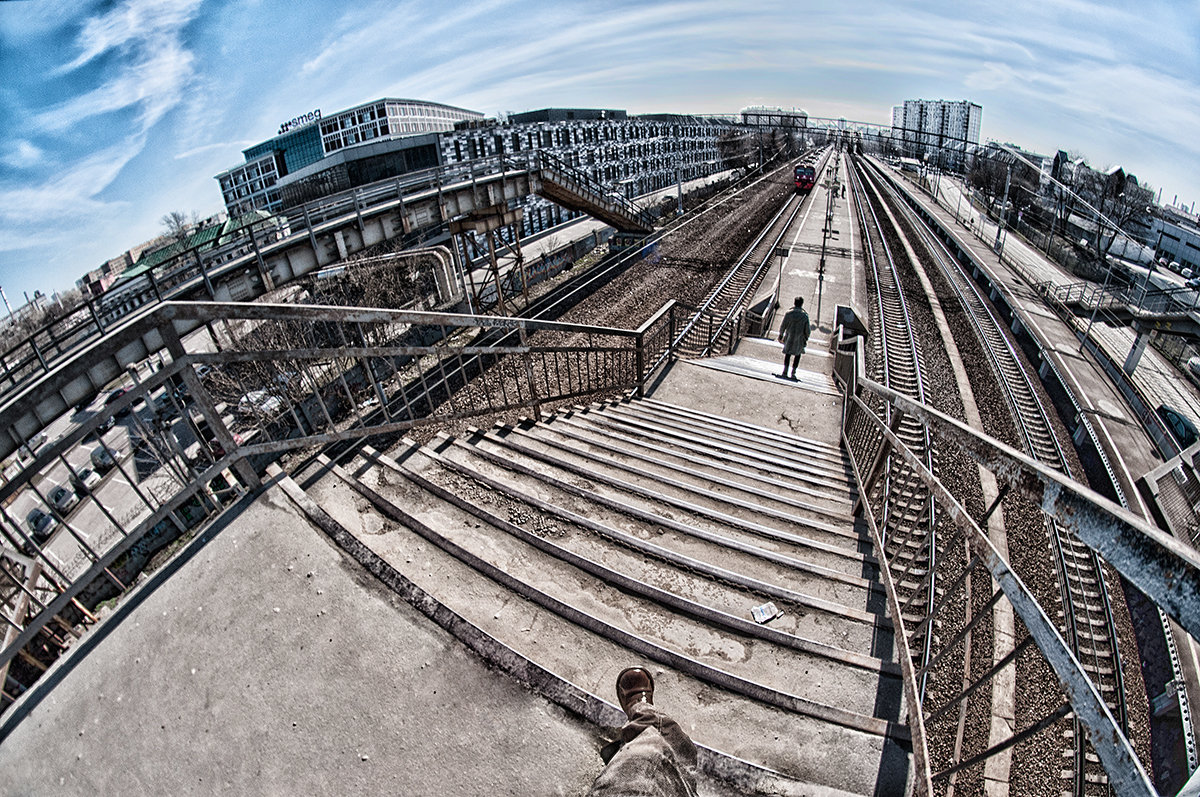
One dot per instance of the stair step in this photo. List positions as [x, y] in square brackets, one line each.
[839, 536]
[627, 448]
[794, 453]
[822, 481]
[673, 529]
[564, 565]
[584, 630]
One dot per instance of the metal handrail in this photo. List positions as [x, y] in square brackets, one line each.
[1166, 571]
[292, 376]
[35, 352]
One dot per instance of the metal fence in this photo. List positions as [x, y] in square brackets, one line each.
[181, 435]
[1166, 571]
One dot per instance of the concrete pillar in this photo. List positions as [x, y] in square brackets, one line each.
[340, 239]
[1135, 353]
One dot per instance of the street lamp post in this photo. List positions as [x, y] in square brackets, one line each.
[998, 247]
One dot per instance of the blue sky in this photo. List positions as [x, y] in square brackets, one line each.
[114, 113]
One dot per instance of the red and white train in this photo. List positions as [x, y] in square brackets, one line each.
[806, 178]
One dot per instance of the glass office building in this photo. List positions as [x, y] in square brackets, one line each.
[252, 185]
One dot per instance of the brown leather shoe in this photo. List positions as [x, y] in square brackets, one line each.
[634, 685]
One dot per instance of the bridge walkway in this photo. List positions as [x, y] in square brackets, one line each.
[279, 659]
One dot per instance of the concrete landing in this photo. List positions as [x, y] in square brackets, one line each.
[269, 663]
[746, 386]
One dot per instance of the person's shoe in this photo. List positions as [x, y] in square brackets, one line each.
[634, 685]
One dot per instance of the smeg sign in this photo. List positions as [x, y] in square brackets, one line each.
[300, 121]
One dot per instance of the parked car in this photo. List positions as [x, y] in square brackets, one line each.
[84, 480]
[40, 524]
[62, 499]
[164, 407]
[261, 403]
[115, 396]
[1193, 283]
[32, 447]
[102, 459]
[1180, 426]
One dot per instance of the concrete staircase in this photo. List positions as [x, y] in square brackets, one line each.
[642, 532]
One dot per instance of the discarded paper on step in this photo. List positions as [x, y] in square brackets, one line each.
[765, 613]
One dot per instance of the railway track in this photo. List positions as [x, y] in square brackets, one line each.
[1088, 622]
[907, 524]
[712, 325]
[556, 303]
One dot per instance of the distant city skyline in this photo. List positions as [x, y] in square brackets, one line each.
[114, 114]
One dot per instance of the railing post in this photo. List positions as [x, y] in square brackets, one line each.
[208, 409]
[154, 284]
[95, 316]
[263, 274]
[312, 239]
[640, 364]
[38, 352]
[671, 334]
[212, 294]
[525, 356]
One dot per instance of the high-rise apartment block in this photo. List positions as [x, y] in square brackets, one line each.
[945, 130]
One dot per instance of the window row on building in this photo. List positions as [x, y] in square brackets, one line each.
[252, 185]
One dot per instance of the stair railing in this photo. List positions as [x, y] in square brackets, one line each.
[229, 388]
[1158, 565]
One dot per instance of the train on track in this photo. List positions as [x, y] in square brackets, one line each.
[805, 177]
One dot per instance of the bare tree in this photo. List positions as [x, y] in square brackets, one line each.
[178, 224]
[1120, 203]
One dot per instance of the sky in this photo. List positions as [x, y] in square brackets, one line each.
[113, 114]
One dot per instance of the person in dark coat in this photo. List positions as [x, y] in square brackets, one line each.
[793, 334]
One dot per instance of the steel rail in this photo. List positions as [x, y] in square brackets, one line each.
[1078, 567]
[742, 284]
[902, 369]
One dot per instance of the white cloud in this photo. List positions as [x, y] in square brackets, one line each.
[386, 29]
[219, 145]
[991, 77]
[155, 82]
[22, 154]
[70, 195]
[130, 23]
